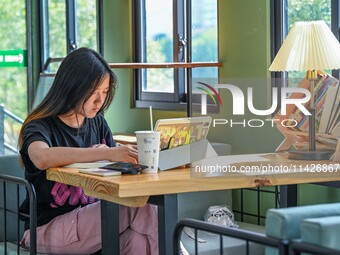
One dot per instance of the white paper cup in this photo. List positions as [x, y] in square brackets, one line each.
[148, 143]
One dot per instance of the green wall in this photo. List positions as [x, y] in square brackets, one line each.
[244, 50]
[118, 48]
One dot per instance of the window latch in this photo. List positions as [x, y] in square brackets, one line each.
[182, 42]
[73, 45]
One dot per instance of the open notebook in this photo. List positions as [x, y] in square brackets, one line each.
[88, 165]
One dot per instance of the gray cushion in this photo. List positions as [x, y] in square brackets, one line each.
[284, 223]
[9, 164]
[323, 231]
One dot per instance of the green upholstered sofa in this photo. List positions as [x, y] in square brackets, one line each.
[298, 222]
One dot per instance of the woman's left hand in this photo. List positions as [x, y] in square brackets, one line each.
[125, 153]
[100, 146]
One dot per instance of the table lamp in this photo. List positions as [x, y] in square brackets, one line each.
[309, 46]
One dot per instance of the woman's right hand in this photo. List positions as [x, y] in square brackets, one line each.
[125, 153]
[44, 157]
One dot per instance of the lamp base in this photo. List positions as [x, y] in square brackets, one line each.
[310, 155]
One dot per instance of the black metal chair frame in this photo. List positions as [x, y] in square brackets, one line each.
[7, 179]
[248, 236]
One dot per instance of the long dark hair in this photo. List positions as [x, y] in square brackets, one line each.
[77, 78]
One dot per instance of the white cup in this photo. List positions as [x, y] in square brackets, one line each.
[148, 143]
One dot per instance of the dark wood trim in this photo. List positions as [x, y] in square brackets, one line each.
[165, 65]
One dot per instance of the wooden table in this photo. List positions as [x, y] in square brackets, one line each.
[162, 188]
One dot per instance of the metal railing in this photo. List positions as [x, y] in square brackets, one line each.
[247, 236]
[298, 247]
[6, 181]
[4, 115]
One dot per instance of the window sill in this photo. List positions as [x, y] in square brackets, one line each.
[171, 106]
[165, 65]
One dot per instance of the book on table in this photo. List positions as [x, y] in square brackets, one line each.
[327, 112]
[93, 168]
[108, 168]
[99, 171]
[88, 165]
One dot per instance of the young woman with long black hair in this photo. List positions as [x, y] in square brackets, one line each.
[67, 127]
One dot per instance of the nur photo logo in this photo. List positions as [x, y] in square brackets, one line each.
[239, 99]
[208, 89]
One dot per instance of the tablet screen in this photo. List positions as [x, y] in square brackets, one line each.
[181, 131]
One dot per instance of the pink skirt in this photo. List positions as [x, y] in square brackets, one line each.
[79, 231]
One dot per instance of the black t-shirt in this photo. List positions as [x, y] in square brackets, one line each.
[53, 198]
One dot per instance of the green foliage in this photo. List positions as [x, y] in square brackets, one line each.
[160, 80]
[160, 50]
[86, 19]
[13, 88]
[57, 28]
[13, 83]
[307, 10]
[204, 49]
[87, 23]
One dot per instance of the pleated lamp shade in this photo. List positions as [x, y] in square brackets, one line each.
[308, 46]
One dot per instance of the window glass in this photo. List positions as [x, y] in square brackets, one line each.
[159, 45]
[86, 23]
[56, 33]
[57, 28]
[86, 28]
[13, 82]
[306, 10]
[204, 37]
[161, 34]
